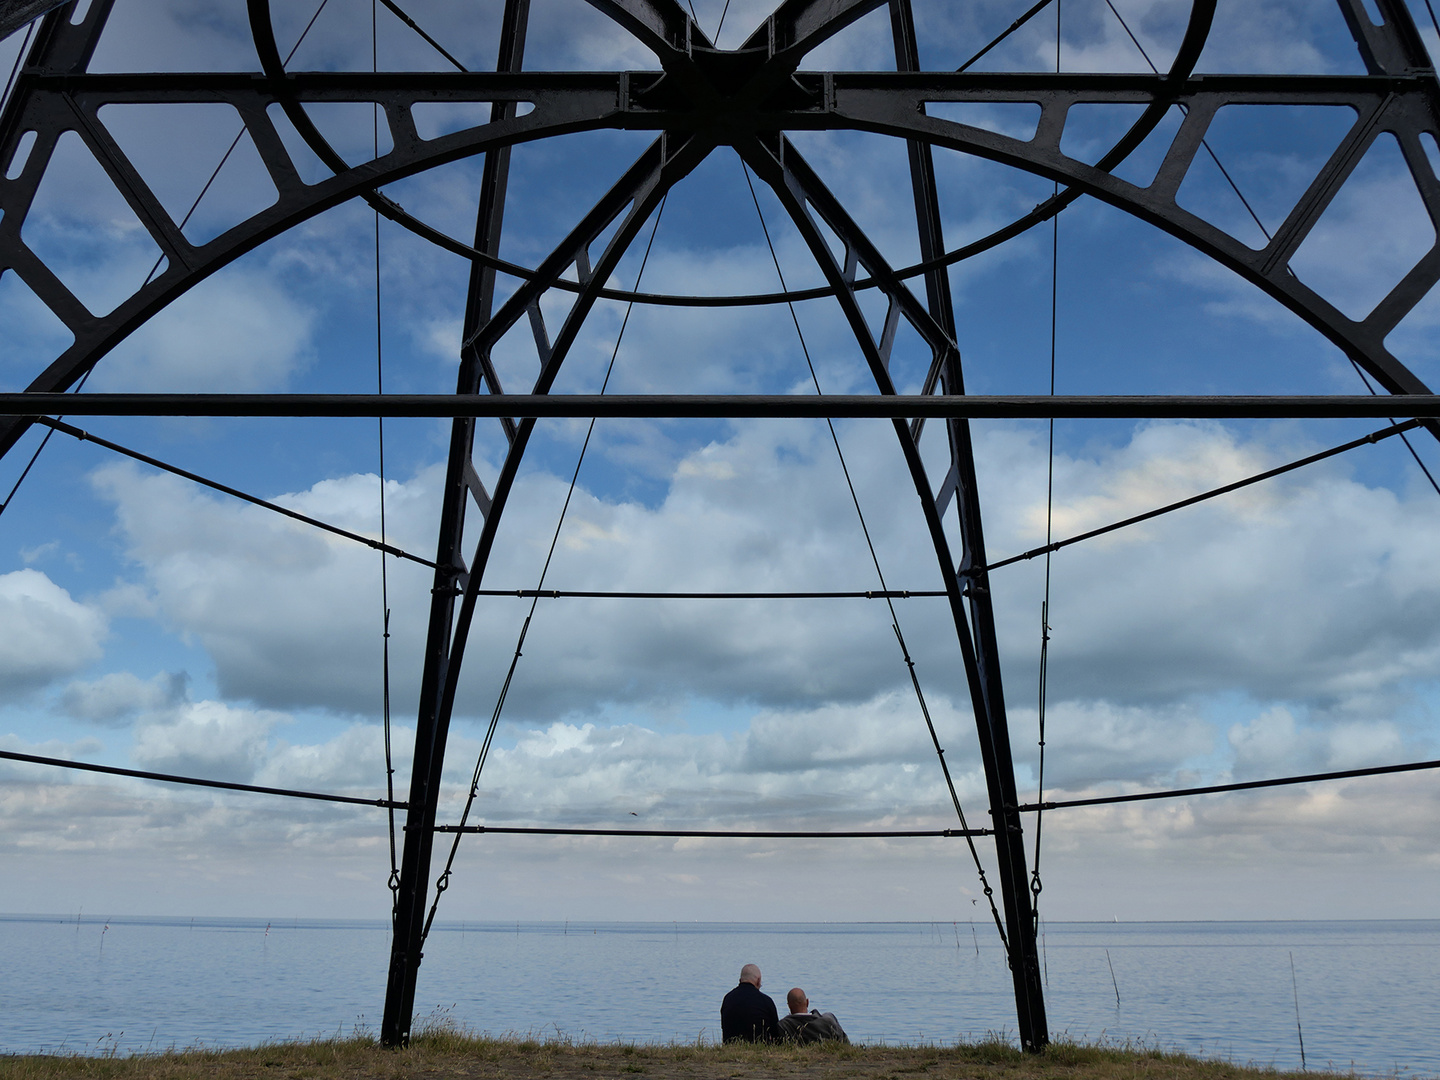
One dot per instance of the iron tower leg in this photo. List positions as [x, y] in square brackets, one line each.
[990, 711]
[433, 722]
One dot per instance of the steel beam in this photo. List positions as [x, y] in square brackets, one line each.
[16, 13]
[720, 406]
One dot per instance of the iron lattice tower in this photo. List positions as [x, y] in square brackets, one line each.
[696, 98]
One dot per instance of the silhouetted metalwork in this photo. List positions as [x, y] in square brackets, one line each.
[193, 781]
[702, 98]
[756, 406]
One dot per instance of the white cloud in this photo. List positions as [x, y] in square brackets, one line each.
[47, 633]
[288, 613]
[1274, 743]
[238, 332]
[114, 699]
[1314, 588]
[206, 739]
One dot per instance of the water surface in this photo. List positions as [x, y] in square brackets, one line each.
[1368, 992]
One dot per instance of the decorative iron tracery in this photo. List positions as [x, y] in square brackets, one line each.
[700, 98]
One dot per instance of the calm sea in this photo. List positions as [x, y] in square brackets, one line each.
[1367, 993]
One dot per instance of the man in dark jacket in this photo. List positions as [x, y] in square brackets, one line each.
[805, 1025]
[747, 1015]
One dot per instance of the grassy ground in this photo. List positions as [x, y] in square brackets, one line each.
[443, 1055]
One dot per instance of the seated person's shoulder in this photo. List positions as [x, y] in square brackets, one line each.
[812, 1027]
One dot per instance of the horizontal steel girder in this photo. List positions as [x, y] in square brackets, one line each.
[733, 406]
[565, 103]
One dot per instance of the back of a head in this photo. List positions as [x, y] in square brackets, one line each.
[797, 1001]
[750, 973]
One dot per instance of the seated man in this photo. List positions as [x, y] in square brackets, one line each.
[805, 1025]
[747, 1015]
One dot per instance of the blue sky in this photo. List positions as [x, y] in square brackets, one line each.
[1288, 629]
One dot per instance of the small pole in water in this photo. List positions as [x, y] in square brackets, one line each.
[975, 937]
[1295, 990]
[267, 929]
[1112, 980]
[102, 935]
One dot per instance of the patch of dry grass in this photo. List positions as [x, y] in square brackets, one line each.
[443, 1051]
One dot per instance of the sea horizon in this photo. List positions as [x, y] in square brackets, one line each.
[1365, 993]
[444, 923]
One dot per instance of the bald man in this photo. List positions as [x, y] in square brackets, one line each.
[806, 1025]
[747, 1015]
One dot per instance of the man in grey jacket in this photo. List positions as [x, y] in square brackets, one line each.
[805, 1025]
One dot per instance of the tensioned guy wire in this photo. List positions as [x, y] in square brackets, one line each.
[1203, 142]
[85, 436]
[1224, 489]
[400, 14]
[394, 880]
[880, 574]
[1408, 446]
[443, 882]
[721, 25]
[1043, 687]
[1016, 25]
[38, 451]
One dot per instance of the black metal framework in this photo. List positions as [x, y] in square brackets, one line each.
[698, 99]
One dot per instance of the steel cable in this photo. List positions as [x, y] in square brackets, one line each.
[443, 882]
[1203, 142]
[1280, 470]
[1408, 446]
[1016, 25]
[394, 879]
[86, 436]
[396, 10]
[880, 574]
[195, 781]
[1246, 785]
[1043, 678]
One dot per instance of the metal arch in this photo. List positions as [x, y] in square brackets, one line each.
[1405, 111]
[14, 14]
[1399, 96]
[632, 199]
[56, 97]
[52, 98]
[803, 194]
[797, 27]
